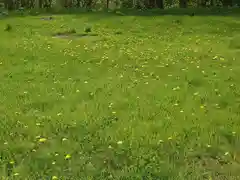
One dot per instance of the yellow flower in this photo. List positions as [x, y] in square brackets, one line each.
[215, 57]
[119, 142]
[12, 162]
[160, 141]
[196, 93]
[202, 106]
[68, 156]
[54, 178]
[42, 140]
[16, 174]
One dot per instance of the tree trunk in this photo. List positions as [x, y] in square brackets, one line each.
[152, 4]
[40, 3]
[183, 3]
[31, 4]
[107, 4]
[78, 3]
[227, 3]
[203, 3]
[9, 4]
[212, 3]
[149, 4]
[69, 3]
[160, 4]
[89, 4]
[36, 4]
[23, 3]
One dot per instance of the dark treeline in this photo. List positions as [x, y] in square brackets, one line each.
[90, 4]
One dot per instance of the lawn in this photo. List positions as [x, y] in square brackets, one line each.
[138, 97]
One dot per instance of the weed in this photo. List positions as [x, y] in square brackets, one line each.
[8, 28]
[88, 29]
[159, 101]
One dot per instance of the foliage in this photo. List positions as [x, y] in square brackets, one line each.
[8, 27]
[91, 4]
[145, 99]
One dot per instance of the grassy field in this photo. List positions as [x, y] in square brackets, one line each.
[138, 97]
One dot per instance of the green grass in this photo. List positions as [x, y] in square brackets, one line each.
[155, 97]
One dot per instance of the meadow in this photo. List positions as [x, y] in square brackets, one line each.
[108, 96]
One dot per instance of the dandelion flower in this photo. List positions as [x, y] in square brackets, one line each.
[42, 140]
[54, 178]
[12, 162]
[170, 138]
[119, 142]
[68, 156]
[64, 139]
[16, 174]
[196, 93]
[202, 106]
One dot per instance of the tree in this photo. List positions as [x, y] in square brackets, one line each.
[89, 4]
[213, 2]
[160, 4]
[202, 3]
[182, 3]
[151, 3]
[226, 3]
[9, 4]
